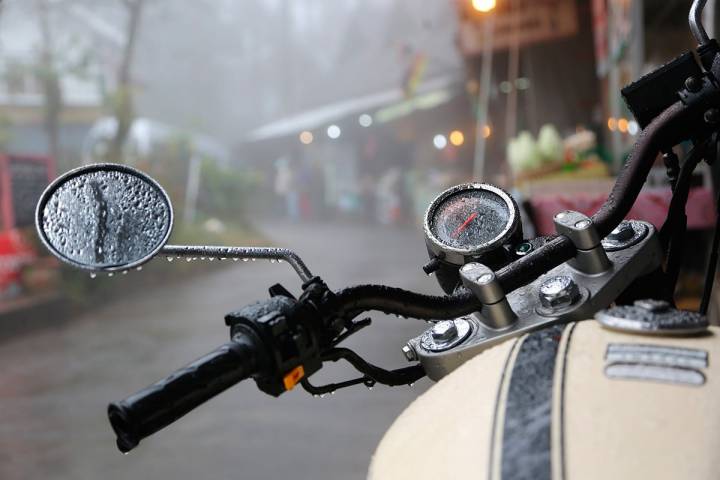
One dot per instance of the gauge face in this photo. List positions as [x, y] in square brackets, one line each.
[471, 218]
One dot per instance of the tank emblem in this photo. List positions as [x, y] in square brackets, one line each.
[656, 363]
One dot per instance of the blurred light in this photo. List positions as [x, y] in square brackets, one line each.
[487, 131]
[505, 87]
[622, 125]
[333, 131]
[612, 124]
[472, 86]
[439, 141]
[365, 120]
[306, 137]
[457, 138]
[633, 127]
[483, 5]
[522, 83]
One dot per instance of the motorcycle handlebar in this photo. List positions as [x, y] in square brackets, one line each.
[155, 407]
[662, 132]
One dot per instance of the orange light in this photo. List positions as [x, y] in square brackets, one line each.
[457, 138]
[622, 125]
[484, 5]
[487, 131]
[293, 377]
[306, 137]
[612, 124]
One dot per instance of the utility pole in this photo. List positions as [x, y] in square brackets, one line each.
[483, 99]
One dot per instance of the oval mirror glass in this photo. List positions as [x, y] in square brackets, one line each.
[104, 217]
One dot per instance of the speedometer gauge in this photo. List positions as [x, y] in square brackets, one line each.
[469, 220]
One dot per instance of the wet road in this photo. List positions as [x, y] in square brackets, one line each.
[56, 382]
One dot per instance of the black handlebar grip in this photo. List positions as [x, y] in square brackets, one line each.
[157, 406]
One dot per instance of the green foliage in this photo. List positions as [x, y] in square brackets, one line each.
[224, 192]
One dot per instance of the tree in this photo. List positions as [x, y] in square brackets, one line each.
[50, 79]
[122, 100]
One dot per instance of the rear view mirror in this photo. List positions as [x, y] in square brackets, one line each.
[104, 217]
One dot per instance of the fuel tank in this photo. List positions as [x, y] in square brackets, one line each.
[572, 401]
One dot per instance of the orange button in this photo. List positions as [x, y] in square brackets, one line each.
[293, 377]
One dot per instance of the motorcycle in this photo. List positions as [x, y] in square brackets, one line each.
[555, 357]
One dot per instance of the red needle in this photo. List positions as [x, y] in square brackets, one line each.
[462, 227]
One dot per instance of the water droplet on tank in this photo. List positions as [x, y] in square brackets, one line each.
[170, 259]
[111, 274]
[235, 259]
[245, 259]
[139, 269]
[93, 275]
[124, 272]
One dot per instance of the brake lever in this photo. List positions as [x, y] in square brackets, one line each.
[237, 253]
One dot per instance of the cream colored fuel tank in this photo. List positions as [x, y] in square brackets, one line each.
[575, 401]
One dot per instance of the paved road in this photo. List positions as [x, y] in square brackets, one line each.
[55, 383]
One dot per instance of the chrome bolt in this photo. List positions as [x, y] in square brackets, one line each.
[651, 305]
[558, 292]
[622, 232]
[582, 224]
[409, 353]
[444, 331]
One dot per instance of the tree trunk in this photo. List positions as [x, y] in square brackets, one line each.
[123, 102]
[50, 82]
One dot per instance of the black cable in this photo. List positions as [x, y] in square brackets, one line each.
[672, 233]
[712, 262]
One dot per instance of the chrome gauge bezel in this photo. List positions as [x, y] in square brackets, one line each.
[460, 256]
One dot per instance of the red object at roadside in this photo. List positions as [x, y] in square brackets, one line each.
[651, 206]
[22, 180]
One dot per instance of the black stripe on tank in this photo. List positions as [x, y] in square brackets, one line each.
[526, 439]
[563, 385]
[493, 429]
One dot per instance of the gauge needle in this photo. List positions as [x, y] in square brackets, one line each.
[462, 227]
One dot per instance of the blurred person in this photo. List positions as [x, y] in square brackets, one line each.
[388, 196]
[286, 188]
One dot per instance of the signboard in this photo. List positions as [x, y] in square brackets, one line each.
[524, 22]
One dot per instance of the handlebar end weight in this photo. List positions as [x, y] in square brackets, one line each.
[127, 439]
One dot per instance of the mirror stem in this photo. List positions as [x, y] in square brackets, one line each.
[266, 253]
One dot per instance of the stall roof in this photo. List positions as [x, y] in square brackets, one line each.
[321, 116]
